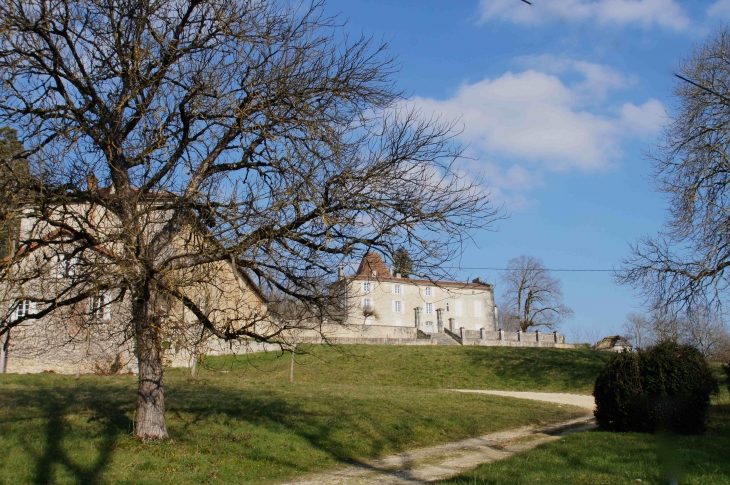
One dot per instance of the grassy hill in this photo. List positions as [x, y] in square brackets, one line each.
[501, 368]
[242, 422]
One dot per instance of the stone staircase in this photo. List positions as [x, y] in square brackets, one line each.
[443, 339]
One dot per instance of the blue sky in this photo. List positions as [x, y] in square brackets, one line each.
[558, 102]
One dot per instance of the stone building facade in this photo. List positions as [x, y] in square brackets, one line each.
[374, 295]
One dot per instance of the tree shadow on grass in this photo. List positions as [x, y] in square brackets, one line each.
[81, 425]
[52, 405]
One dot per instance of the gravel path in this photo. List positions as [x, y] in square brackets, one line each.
[425, 465]
[579, 400]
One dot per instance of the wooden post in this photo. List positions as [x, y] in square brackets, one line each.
[4, 353]
[291, 367]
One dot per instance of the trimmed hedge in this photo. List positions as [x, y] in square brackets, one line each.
[665, 387]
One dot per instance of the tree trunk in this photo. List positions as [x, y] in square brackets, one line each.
[150, 396]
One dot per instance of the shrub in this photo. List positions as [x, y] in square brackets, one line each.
[616, 390]
[726, 368]
[667, 386]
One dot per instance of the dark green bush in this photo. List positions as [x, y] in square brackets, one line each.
[726, 368]
[667, 386]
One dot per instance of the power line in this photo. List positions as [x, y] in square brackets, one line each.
[562, 270]
[558, 270]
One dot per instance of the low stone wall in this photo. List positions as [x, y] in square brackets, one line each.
[369, 341]
[332, 330]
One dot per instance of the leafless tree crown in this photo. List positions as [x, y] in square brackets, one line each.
[686, 264]
[252, 135]
[531, 297]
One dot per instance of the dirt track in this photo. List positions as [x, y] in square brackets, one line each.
[425, 465]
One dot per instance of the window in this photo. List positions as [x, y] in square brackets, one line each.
[66, 266]
[367, 287]
[477, 309]
[429, 308]
[459, 309]
[99, 308]
[398, 306]
[427, 291]
[367, 304]
[397, 289]
[447, 306]
[22, 309]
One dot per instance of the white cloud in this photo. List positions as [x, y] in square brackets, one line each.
[597, 78]
[719, 9]
[644, 13]
[536, 117]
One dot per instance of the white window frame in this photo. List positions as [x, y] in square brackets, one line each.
[397, 290]
[367, 287]
[397, 306]
[427, 291]
[478, 309]
[458, 308]
[428, 310]
[367, 304]
[99, 307]
[22, 308]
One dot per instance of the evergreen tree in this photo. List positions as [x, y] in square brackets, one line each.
[402, 262]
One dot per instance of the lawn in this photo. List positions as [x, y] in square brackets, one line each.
[241, 422]
[604, 458]
[502, 368]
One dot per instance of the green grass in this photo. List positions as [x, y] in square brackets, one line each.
[241, 426]
[502, 368]
[605, 458]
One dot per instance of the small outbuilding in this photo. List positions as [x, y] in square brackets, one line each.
[614, 343]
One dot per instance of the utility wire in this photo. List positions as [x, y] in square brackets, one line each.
[541, 269]
[559, 270]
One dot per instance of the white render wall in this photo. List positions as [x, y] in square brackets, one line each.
[472, 308]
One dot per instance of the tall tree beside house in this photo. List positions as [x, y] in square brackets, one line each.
[241, 134]
[402, 262]
[531, 298]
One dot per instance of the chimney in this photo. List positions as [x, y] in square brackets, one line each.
[397, 275]
[92, 183]
[340, 272]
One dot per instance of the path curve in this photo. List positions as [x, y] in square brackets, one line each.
[580, 400]
[439, 462]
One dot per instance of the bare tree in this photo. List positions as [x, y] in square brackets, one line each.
[638, 330]
[531, 296]
[700, 327]
[230, 137]
[686, 265]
